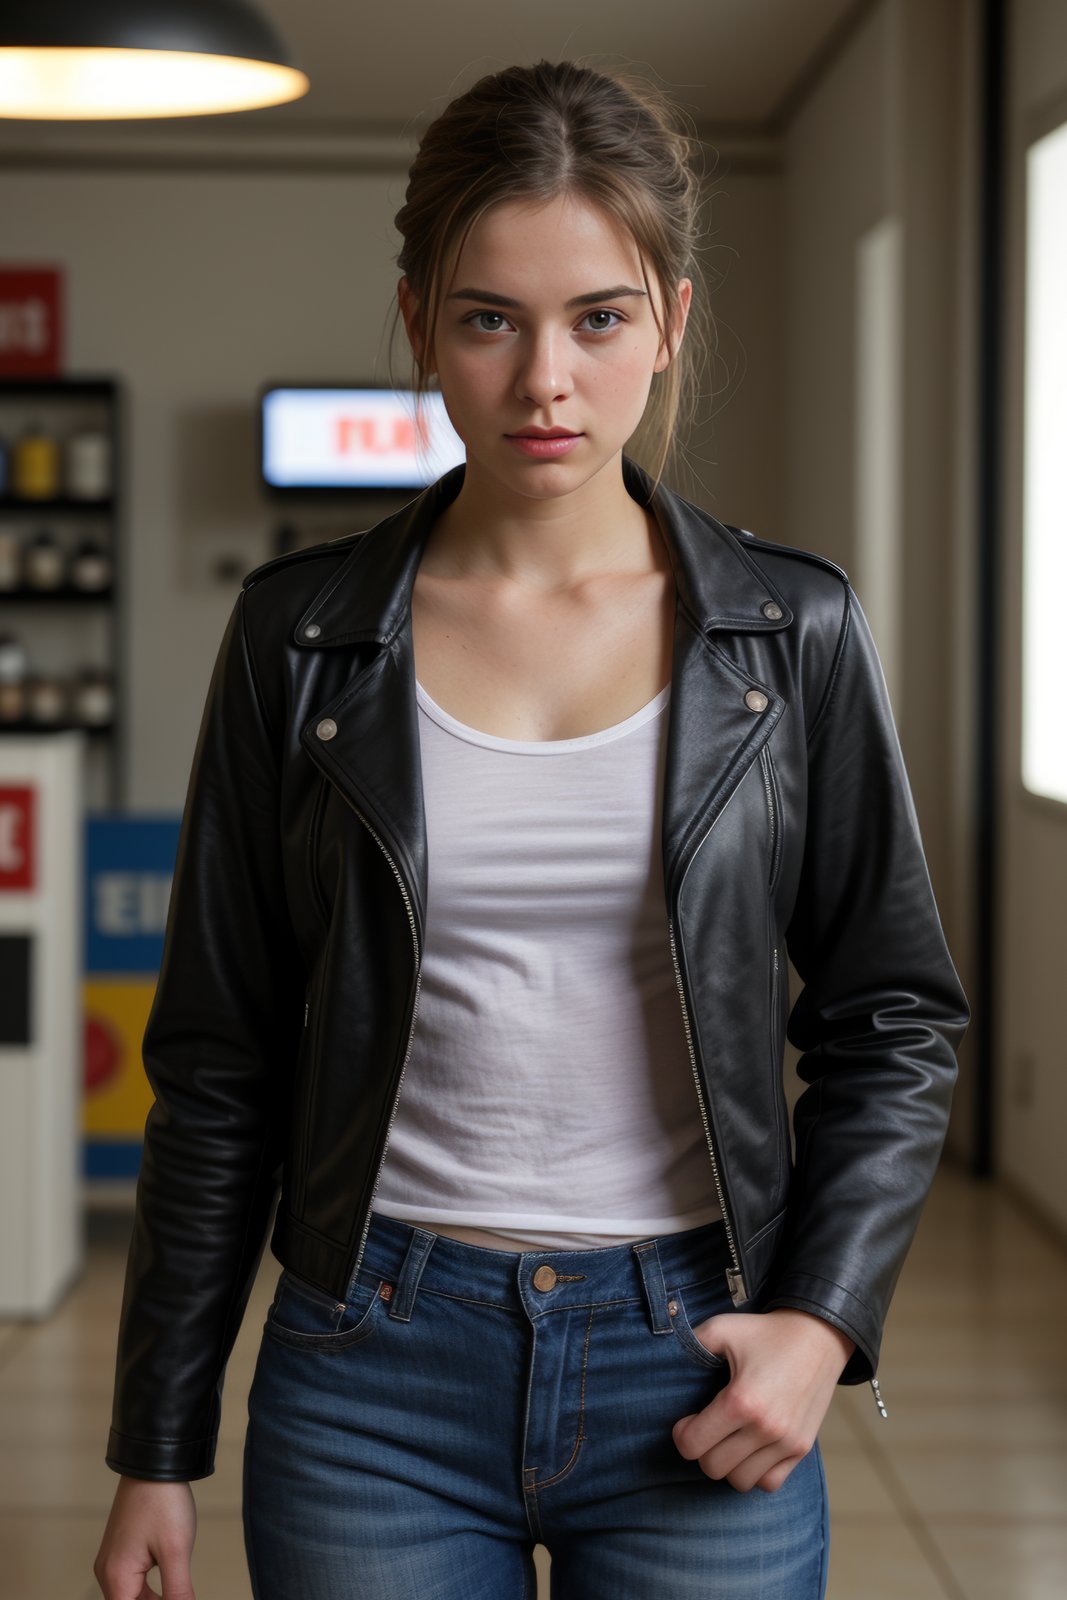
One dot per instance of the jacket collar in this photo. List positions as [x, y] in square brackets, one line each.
[366, 738]
[369, 596]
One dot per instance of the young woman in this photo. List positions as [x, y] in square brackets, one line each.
[503, 819]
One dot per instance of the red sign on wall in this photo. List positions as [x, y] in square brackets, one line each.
[31, 321]
[18, 836]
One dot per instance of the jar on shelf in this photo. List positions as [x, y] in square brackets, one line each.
[35, 465]
[45, 562]
[14, 666]
[90, 566]
[10, 559]
[92, 699]
[87, 470]
[46, 699]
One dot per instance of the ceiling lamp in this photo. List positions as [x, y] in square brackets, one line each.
[63, 60]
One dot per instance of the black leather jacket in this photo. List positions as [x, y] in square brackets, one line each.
[288, 989]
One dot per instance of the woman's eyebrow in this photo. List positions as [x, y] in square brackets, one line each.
[487, 296]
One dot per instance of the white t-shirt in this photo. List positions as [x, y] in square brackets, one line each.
[549, 1098]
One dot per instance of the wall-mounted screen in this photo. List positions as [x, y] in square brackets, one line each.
[329, 437]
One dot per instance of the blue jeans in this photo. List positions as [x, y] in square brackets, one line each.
[466, 1404]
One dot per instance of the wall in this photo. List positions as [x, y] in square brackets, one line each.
[879, 138]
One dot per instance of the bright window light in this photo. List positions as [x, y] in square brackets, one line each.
[1044, 641]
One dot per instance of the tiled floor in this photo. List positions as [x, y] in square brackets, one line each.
[961, 1493]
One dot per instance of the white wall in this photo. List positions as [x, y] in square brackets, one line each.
[196, 286]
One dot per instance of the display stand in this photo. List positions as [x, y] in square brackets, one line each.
[42, 1244]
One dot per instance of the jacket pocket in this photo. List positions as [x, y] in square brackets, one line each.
[312, 865]
[304, 1090]
[774, 814]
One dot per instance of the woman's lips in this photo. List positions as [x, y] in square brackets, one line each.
[544, 449]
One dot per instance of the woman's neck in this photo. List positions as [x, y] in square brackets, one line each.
[544, 543]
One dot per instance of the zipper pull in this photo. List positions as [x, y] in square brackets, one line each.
[306, 1004]
[736, 1284]
[878, 1398]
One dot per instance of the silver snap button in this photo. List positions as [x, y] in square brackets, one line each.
[326, 728]
[312, 630]
[771, 609]
[544, 1278]
[756, 700]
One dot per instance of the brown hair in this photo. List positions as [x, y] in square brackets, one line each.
[560, 128]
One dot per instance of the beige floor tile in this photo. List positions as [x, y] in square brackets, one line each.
[1001, 1560]
[54, 1477]
[50, 1555]
[54, 1417]
[998, 1481]
[219, 1564]
[970, 1423]
[880, 1558]
[854, 1483]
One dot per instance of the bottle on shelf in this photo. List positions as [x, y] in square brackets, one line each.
[35, 464]
[45, 562]
[87, 468]
[90, 566]
[46, 699]
[92, 699]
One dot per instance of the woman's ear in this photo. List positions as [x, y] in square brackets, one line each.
[409, 310]
[681, 316]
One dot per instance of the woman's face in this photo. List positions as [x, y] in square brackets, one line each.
[546, 324]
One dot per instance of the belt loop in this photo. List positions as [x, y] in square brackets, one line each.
[655, 1289]
[415, 1258]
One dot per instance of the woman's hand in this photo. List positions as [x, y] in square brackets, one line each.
[784, 1367]
[151, 1525]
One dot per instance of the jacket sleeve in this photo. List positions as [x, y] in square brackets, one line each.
[222, 1029]
[879, 1020]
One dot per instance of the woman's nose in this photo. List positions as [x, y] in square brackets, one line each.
[544, 373]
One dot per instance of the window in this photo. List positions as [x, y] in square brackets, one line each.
[1044, 636]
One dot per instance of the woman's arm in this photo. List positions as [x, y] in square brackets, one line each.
[218, 1050]
[879, 1022]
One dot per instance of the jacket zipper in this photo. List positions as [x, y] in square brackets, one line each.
[411, 1029]
[734, 1276]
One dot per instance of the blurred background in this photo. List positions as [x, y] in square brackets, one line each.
[194, 377]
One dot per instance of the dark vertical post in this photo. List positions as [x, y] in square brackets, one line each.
[987, 667]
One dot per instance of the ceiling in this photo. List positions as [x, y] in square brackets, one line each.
[731, 63]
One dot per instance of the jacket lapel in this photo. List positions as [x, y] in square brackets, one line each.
[372, 756]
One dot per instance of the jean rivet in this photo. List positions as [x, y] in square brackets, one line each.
[672, 1307]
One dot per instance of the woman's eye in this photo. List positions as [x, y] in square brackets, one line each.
[497, 314]
[606, 328]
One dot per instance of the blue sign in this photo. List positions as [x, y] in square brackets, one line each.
[129, 865]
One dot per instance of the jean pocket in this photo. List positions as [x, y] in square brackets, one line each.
[692, 1306]
[305, 1317]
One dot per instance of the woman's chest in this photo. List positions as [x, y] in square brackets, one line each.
[544, 667]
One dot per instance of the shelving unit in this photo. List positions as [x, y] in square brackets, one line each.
[65, 629]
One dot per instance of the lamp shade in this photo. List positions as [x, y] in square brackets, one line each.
[66, 60]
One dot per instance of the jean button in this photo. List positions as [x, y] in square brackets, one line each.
[544, 1278]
